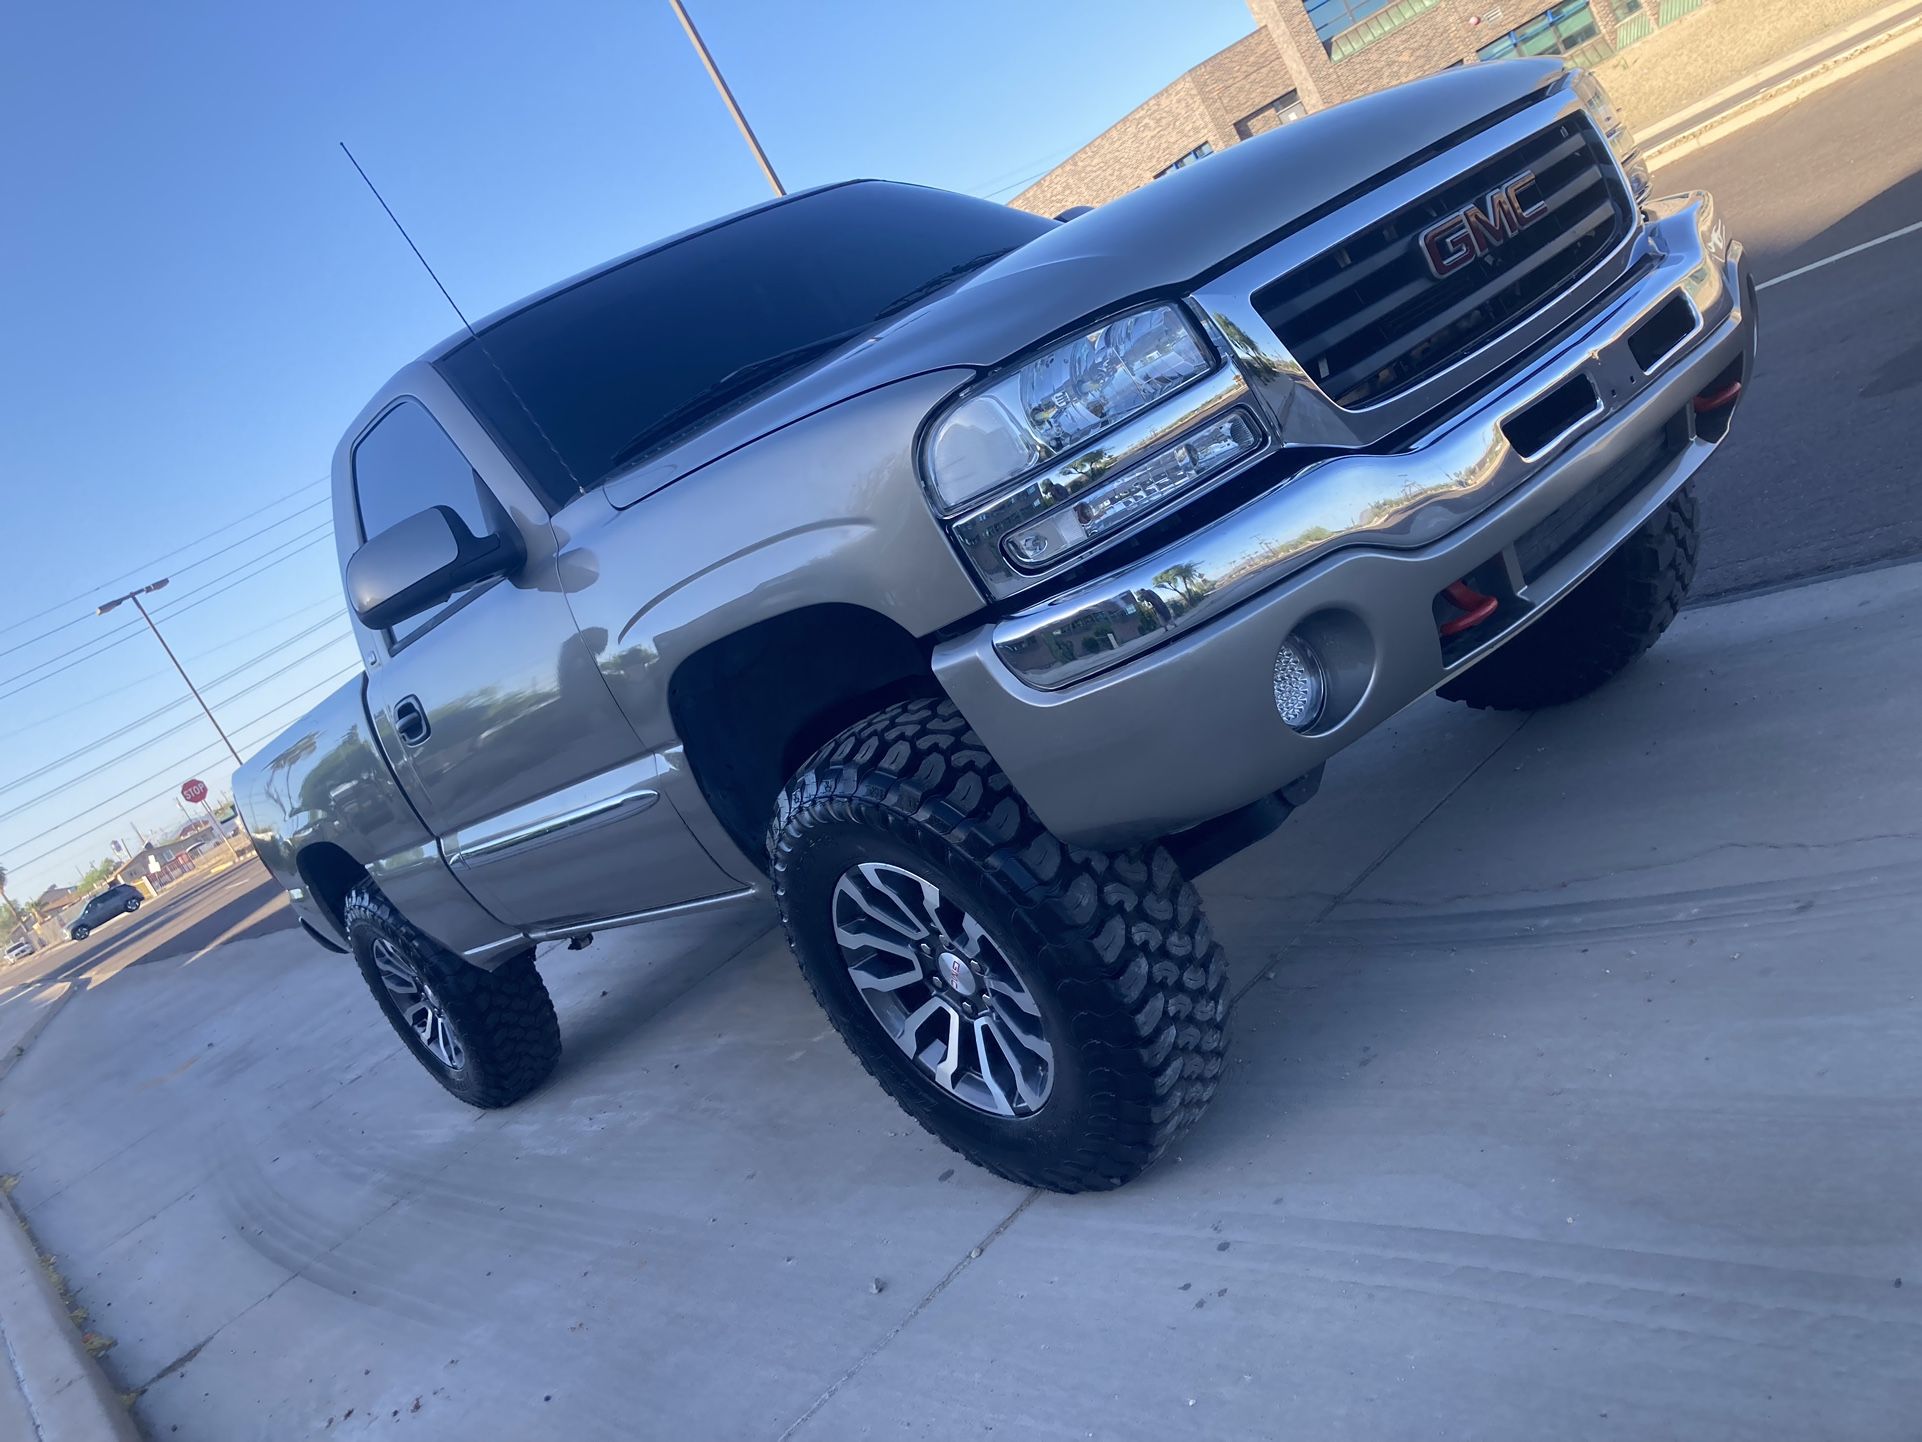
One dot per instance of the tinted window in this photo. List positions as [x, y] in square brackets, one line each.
[629, 359]
[406, 464]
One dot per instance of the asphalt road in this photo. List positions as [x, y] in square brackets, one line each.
[1820, 474]
[189, 917]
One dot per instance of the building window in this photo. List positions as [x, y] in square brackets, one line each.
[1556, 31]
[1275, 113]
[1200, 152]
[1331, 17]
[1346, 26]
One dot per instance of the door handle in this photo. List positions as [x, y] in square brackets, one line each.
[410, 720]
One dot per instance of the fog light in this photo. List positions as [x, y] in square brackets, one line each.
[1300, 689]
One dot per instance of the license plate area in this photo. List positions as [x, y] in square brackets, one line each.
[1537, 429]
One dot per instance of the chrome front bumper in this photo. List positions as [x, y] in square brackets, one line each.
[1142, 703]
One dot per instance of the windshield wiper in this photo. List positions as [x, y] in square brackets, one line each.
[740, 381]
[940, 282]
[745, 379]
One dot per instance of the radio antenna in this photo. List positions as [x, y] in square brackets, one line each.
[408, 238]
[532, 420]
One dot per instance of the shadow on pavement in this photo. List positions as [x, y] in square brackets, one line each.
[155, 933]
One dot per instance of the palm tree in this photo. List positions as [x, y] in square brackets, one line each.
[1186, 581]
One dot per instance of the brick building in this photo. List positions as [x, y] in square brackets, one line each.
[1309, 54]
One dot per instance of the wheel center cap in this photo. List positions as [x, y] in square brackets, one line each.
[958, 974]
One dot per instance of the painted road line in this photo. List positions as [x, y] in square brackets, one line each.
[1843, 254]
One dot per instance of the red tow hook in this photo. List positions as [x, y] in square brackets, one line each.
[1476, 608]
[1717, 399]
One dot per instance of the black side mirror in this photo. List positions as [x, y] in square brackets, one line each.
[415, 564]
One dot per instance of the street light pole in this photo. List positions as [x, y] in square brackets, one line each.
[135, 596]
[727, 97]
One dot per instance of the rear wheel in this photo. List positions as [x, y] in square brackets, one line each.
[1601, 626]
[1055, 1015]
[132, 907]
[489, 1037]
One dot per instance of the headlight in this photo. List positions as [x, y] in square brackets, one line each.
[1615, 130]
[1061, 399]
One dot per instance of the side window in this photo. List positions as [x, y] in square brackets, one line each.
[404, 465]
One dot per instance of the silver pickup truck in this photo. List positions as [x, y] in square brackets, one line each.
[966, 581]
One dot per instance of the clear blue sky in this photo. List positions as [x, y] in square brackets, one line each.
[199, 295]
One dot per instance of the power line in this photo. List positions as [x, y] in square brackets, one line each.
[1052, 159]
[239, 636]
[177, 571]
[95, 590]
[253, 535]
[112, 761]
[175, 768]
[127, 632]
[101, 645]
[172, 705]
[1003, 190]
[94, 700]
[41, 636]
[270, 652]
[275, 723]
[206, 592]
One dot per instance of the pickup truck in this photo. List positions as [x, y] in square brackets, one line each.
[965, 582]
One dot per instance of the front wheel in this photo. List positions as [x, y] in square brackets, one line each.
[1055, 1015]
[489, 1037]
[1602, 625]
[79, 933]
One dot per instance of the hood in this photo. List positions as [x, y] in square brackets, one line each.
[1162, 239]
[1169, 235]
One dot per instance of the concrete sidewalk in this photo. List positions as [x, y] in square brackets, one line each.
[1840, 44]
[1577, 1069]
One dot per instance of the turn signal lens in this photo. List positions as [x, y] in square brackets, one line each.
[1141, 489]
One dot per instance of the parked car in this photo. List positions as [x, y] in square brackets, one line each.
[20, 948]
[967, 581]
[117, 900]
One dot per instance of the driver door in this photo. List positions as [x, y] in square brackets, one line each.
[493, 711]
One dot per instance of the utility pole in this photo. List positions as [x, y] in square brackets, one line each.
[135, 596]
[727, 97]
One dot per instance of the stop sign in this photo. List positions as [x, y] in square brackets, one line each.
[194, 790]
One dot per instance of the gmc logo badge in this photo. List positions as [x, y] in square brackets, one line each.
[1455, 240]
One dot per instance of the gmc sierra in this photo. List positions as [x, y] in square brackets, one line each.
[960, 579]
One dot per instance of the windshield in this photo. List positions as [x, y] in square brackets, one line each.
[633, 357]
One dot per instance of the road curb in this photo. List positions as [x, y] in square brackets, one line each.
[49, 1009]
[65, 1395]
[1791, 91]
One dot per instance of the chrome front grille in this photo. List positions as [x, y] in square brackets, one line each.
[1396, 303]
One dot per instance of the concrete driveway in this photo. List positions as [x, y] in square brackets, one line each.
[1577, 1070]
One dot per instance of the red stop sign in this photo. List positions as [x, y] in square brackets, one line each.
[195, 791]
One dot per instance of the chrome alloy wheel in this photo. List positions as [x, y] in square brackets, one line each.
[944, 989]
[418, 1006]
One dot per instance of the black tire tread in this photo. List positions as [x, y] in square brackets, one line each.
[505, 1017]
[1122, 935]
[1601, 626]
